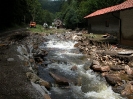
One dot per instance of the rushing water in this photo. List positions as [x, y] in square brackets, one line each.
[62, 56]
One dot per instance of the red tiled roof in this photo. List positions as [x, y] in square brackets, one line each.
[122, 6]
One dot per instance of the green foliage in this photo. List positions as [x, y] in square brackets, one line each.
[41, 29]
[73, 11]
[52, 6]
[69, 14]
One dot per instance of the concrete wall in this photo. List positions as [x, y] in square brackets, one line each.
[127, 23]
[127, 26]
[98, 24]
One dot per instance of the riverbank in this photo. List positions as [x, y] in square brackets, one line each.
[13, 81]
[113, 62]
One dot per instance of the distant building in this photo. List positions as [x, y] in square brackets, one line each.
[58, 23]
[115, 19]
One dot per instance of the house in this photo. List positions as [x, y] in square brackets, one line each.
[116, 19]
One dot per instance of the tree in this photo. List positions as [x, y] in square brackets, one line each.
[33, 8]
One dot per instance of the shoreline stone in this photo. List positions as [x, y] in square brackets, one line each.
[114, 67]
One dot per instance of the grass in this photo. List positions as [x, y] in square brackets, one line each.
[41, 29]
[99, 38]
[95, 36]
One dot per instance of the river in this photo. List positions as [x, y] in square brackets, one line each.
[62, 56]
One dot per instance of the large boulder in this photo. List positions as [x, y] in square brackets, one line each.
[60, 80]
[101, 68]
[113, 79]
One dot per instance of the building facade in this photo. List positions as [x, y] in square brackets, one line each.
[117, 19]
[126, 17]
[106, 23]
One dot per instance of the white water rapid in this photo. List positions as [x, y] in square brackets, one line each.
[62, 56]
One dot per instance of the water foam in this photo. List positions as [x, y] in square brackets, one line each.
[61, 44]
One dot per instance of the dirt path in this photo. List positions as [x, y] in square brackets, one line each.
[13, 81]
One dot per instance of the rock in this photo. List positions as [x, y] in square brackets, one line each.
[75, 37]
[117, 68]
[60, 80]
[79, 34]
[96, 67]
[26, 63]
[105, 68]
[104, 74]
[118, 89]
[130, 64]
[74, 68]
[101, 68]
[113, 79]
[33, 77]
[44, 83]
[128, 70]
[106, 57]
[41, 89]
[76, 45]
[35, 46]
[128, 89]
[95, 62]
[10, 59]
[46, 96]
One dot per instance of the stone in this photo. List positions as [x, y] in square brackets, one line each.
[26, 63]
[96, 67]
[60, 80]
[113, 79]
[33, 77]
[130, 64]
[76, 45]
[10, 59]
[46, 96]
[128, 89]
[128, 70]
[35, 46]
[95, 62]
[117, 67]
[104, 74]
[118, 89]
[105, 68]
[44, 83]
[74, 68]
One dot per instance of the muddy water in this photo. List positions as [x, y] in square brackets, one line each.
[62, 56]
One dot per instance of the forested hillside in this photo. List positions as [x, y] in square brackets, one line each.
[71, 12]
